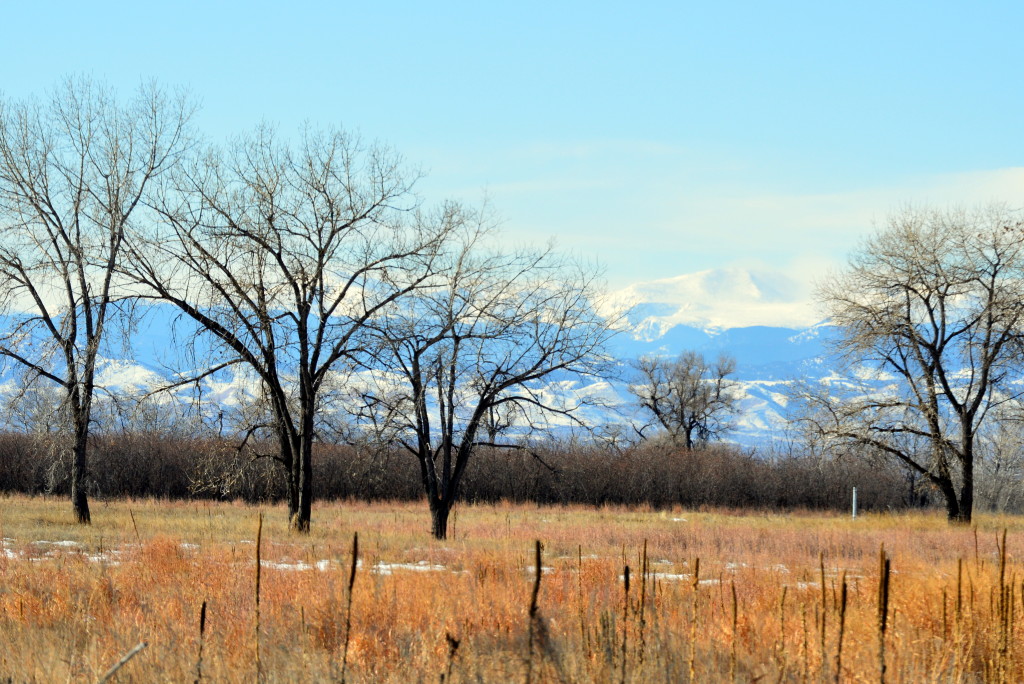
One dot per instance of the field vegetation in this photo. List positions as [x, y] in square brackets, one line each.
[219, 592]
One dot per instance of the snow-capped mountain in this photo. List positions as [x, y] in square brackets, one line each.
[764, 319]
[714, 300]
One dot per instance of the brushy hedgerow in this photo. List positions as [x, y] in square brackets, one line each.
[713, 595]
[658, 475]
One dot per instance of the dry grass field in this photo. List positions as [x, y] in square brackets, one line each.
[708, 595]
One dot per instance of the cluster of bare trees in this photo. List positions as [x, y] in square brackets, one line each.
[306, 264]
[314, 268]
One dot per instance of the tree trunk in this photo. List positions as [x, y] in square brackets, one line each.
[288, 459]
[439, 511]
[80, 472]
[967, 490]
[303, 515]
[953, 509]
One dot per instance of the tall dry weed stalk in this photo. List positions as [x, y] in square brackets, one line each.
[842, 629]
[348, 604]
[453, 647]
[259, 544]
[134, 526]
[1005, 609]
[884, 567]
[644, 574]
[625, 620]
[805, 648]
[122, 662]
[824, 613]
[780, 646]
[735, 626]
[202, 636]
[584, 632]
[532, 612]
[693, 620]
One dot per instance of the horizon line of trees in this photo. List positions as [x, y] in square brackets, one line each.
[654, 473]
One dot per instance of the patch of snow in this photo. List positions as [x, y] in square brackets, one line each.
[320, 565]
[420, 566]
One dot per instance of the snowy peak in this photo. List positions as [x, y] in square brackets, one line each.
[716, 299]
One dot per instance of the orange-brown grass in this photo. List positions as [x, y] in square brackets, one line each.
[459, 608]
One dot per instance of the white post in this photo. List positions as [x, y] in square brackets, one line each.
[854, 503]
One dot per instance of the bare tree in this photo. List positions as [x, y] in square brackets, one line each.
[492, 348]
[689, 398]
[279, 255]
[930, 312]
[73, 172]
[999, 473]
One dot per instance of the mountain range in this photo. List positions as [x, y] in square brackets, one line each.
[763, 319]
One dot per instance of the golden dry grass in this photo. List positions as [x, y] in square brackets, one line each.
[69, 611]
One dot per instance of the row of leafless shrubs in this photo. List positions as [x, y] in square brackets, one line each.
[152, 465]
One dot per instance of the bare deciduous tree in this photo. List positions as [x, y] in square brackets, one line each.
[279, 255]
[73, 173]
[689, 398]
[932, 306]
[494, 345]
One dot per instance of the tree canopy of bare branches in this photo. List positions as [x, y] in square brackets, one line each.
[689, 398]
[280, 254]
[932, 307]
[73, 174]
[468, 362]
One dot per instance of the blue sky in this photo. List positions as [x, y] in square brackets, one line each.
[660, 139]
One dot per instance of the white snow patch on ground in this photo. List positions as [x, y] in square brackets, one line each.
[320, 565]
[420, 566]
[678, 577]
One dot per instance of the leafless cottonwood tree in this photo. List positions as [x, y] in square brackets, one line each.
[73, 172]
[689, 398]
[279, 254]
[475, 353]
[935, 301]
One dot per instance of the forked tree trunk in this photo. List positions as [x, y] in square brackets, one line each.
[945, 486]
